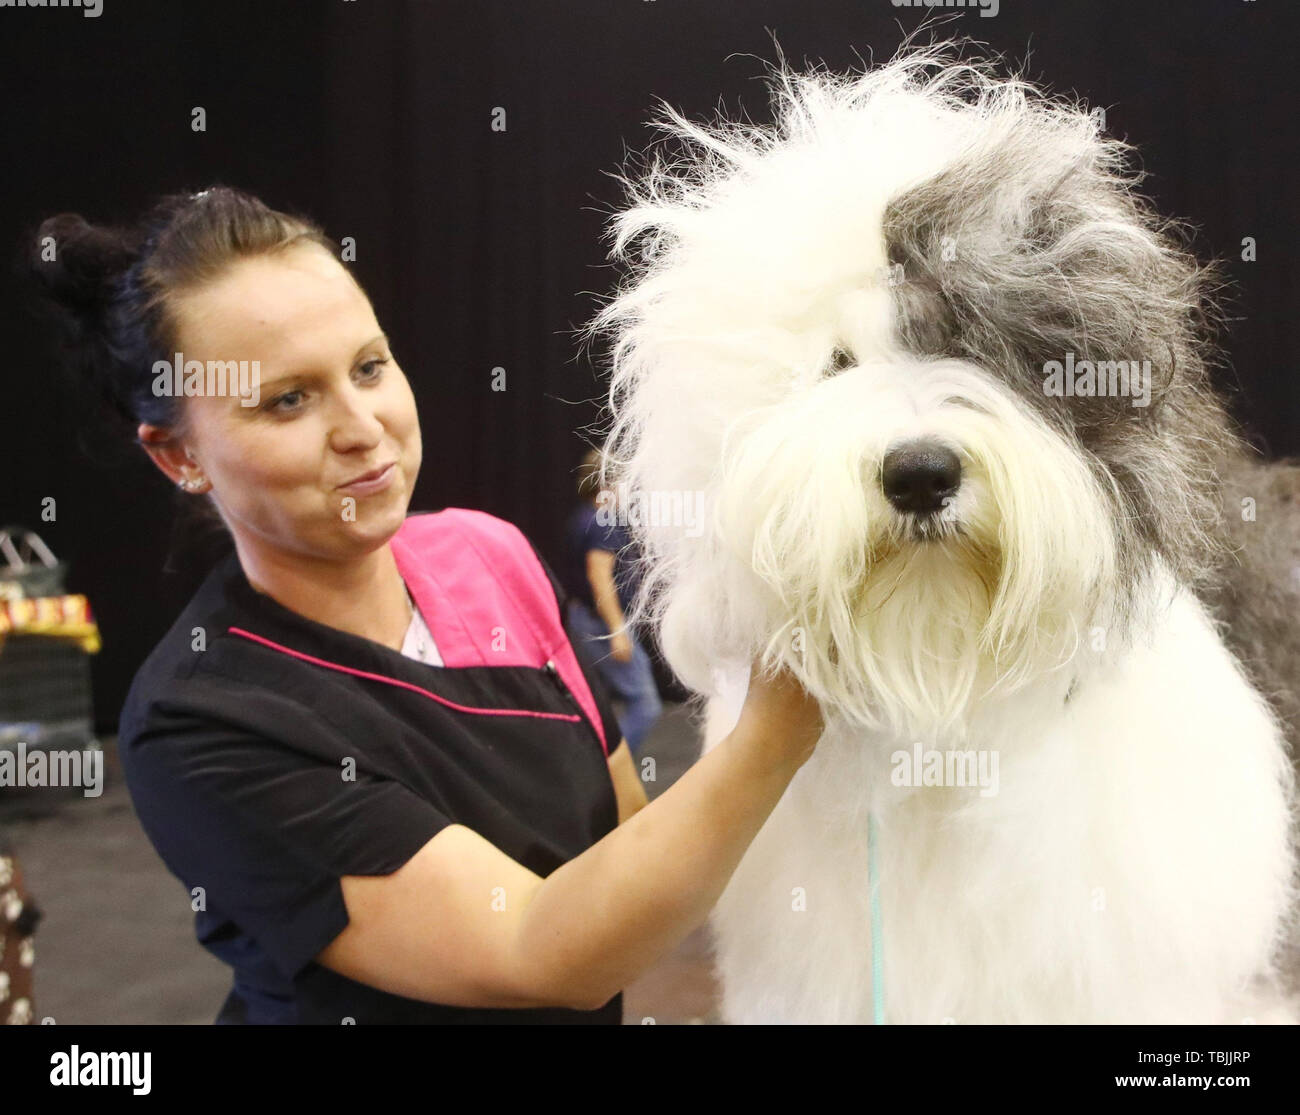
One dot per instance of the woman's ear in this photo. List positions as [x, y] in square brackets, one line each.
[172, 457]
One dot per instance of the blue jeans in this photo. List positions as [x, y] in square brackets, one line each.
[631, 683]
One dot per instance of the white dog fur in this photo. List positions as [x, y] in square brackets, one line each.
[896, 259]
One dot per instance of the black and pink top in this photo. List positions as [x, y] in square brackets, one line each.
[267, 755]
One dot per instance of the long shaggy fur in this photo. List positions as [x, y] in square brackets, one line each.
[900, 256]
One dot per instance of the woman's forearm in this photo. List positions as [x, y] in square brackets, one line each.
[601, 920]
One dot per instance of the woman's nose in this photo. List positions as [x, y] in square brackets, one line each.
[356, 422]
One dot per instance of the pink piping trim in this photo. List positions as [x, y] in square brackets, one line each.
[403, 684]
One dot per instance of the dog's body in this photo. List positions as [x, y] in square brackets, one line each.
[1032, 904]
[845, 333]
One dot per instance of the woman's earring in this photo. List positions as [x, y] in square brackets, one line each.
[192, 484]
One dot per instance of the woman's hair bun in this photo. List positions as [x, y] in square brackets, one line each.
[78, 264]
[77, 267]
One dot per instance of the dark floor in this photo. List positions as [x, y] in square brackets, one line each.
[116, 944]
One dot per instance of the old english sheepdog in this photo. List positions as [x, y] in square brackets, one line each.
[941, 374]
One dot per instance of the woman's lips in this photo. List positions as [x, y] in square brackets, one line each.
[369, 487]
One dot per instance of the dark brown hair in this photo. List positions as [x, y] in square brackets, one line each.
[113, 291]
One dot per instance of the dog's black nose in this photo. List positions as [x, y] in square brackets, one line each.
[920, 476]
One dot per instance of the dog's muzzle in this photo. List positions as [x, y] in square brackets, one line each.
[920, 477]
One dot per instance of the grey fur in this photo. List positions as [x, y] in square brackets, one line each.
[1085, 266]
[1257, 598]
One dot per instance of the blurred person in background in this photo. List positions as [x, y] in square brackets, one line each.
[600, 577]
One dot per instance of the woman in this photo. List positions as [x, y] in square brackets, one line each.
[366, 746]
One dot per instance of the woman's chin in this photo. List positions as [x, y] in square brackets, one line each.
[380, 516]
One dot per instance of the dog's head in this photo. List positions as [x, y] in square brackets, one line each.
[938, 373]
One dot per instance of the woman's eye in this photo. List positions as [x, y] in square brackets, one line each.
[288, 402]
[274, 404]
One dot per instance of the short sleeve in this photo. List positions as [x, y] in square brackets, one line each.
[267, 831]
[608, 718]
[597, 536]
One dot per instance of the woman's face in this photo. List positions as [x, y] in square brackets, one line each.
[332, 405]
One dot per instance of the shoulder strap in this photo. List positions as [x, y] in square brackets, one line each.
[487, 598]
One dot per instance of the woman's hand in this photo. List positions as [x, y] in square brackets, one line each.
[779, 710]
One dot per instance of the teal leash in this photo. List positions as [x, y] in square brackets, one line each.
[877, 948]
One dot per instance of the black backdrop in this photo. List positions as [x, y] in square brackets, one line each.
[482, 248]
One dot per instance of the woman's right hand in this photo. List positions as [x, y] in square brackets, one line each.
[780, 710]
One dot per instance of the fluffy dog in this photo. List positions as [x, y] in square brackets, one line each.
[941, 375]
